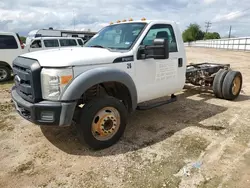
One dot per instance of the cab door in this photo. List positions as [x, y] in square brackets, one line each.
[157, 77]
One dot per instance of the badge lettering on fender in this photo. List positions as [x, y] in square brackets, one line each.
[129, 66]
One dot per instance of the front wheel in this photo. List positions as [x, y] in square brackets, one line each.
[5, 73]
[102, 122]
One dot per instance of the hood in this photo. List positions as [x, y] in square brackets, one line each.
[74, 56]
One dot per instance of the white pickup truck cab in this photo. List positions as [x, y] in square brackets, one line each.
[97, 86]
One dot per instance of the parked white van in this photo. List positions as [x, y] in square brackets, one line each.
[85, 35]
[45, 43]
[11, 46]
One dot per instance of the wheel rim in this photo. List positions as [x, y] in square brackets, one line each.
[106, 123]
[236, 85]
[3, 74]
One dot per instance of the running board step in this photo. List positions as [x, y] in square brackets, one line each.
[157, 104]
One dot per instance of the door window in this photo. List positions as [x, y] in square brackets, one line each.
[36, 44]
[68, 42]
[80, 42]
[161, 31]
[50, 43]
[8, 42]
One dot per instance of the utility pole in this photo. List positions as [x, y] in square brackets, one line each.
[208, 24]
[230, 31]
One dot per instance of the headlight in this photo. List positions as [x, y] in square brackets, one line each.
[53, 82]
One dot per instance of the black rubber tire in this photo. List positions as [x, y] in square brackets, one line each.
[87, 115]
[228, 84]
[218, 82]
[8, 74]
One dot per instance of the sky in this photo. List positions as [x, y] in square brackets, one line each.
[23, 16]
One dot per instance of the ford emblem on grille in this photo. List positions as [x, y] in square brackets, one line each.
[17, 79]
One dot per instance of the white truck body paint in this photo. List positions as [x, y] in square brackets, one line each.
[153, 78]
[74, 56]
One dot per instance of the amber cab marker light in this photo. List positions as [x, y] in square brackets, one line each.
[143, 19]
[130, 19]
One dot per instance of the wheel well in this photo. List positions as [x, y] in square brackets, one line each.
[2, 63]
[115, 89]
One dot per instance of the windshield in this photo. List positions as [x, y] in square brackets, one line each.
[120, 36]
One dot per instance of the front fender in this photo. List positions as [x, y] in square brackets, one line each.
[89, 78]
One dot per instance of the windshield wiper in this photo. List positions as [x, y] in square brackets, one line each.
[97, 46]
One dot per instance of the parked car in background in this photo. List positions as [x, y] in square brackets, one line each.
[11, 46]
[85, 35]
[45, 43]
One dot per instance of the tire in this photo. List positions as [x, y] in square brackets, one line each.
[5, 73]
[232, 85]
[218, 82]
[93, 115]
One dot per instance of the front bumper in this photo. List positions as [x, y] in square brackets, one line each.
[44, 112]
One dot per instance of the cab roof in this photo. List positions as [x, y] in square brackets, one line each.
[57, 37]
[7, 33]
[143, 21]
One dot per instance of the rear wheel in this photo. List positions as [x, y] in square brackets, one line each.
[232, 85]
[102, 122]
[5, 73]
[218, 82]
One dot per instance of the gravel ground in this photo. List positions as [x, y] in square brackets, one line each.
[198, 141]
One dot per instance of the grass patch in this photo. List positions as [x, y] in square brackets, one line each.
[5, 125]
[211, 183]
[25, 168]
[192, 146]
[243, 136]
[6, 108]
[7, 85]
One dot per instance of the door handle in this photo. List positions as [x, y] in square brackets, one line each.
[180, 62]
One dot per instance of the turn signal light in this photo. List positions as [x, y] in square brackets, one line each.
[66, 79]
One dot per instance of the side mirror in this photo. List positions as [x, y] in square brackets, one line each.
[159, 50]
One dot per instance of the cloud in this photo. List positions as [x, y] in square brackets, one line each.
[23, 16]
[230, 16]
[209, 1]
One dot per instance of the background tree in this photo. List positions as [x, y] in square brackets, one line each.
[193, 33]
[213, 35]
[23, 39]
